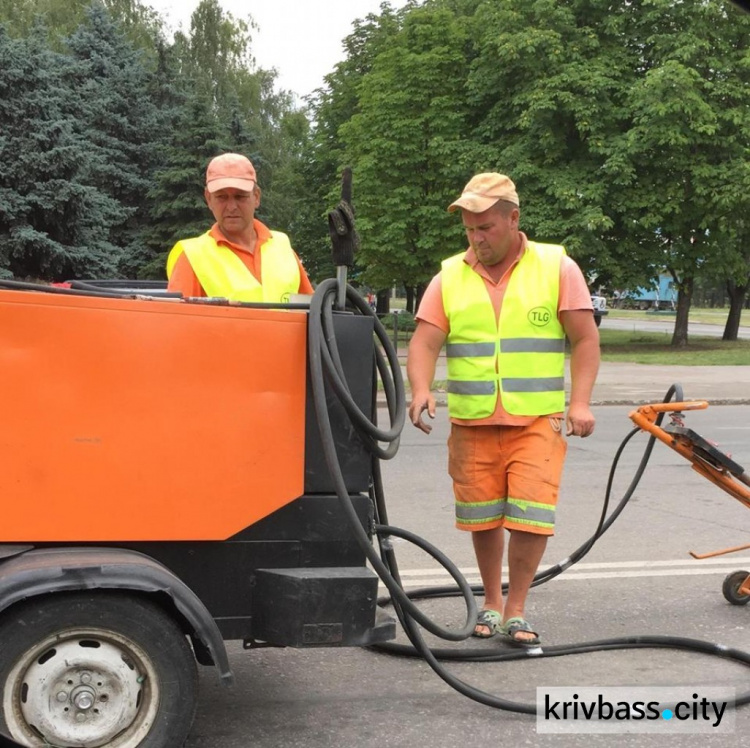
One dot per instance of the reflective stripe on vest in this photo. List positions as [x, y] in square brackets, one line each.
[523, 351]
[222, 273]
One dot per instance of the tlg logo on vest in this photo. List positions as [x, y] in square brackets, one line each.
[539, 316]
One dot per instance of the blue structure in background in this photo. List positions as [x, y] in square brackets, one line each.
[660, 294]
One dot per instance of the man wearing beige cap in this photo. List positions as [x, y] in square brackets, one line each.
[238, 258]
[504, 307]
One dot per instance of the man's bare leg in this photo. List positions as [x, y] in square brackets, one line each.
[488, 549]
[525, 551]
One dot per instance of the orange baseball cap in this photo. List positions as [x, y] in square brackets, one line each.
[231, 170]
[483, 191]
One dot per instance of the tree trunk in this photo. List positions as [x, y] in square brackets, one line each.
[410, 299]
[421, 288]
[384, 301]
[684, 299]
[736, 300]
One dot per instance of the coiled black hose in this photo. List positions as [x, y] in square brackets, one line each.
[325, 366]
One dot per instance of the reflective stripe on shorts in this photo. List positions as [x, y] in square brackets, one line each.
[519, 511]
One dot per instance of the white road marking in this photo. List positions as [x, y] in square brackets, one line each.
[606, 570]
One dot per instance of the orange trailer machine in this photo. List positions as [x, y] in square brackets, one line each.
[162, 482]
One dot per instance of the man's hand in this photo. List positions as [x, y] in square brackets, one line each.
[424, 349]
[418, 405]
[580, 421]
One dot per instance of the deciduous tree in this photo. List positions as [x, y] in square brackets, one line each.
[688, 139]
[406, 143]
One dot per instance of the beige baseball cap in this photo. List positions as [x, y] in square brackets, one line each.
[231, 170]
[483, 191]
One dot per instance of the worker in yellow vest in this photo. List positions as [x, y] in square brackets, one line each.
[503, 308]
[238, 258]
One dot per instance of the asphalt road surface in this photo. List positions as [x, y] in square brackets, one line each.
[639, 579]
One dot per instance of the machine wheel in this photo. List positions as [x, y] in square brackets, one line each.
[597, 320]
[731, 588]
[95, 669]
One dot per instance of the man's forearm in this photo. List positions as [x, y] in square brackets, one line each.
[420, 368]
[584, 366]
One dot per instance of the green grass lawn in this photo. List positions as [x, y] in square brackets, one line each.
[697, 315]
[655, 348]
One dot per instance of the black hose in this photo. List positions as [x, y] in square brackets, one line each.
[325, 366]
[91, 289]
[320, 337]
[605, 520]
[123, 290]
[41, 287]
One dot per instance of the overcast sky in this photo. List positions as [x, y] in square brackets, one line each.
[300, 38]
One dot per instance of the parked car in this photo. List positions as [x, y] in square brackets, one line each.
[600, 308]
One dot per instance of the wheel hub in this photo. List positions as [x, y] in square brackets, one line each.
[84, 692]
[83, 698]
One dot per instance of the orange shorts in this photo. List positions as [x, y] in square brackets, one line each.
[507, 476]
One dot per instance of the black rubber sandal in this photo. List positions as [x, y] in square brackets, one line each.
[492, 620]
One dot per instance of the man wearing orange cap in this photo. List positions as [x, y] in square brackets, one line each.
[504, 307]
[238, 258]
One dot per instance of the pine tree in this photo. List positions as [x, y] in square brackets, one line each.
[120, 121]
[177, 207]
[53, 223]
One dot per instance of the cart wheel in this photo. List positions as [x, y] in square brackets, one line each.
[731, 588]
[95, 669]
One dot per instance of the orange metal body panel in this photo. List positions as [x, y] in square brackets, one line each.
[125, 419]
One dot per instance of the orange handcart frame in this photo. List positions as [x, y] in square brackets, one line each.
[707, 460]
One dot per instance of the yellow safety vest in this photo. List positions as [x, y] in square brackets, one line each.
[222, 273]
[523, 352]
